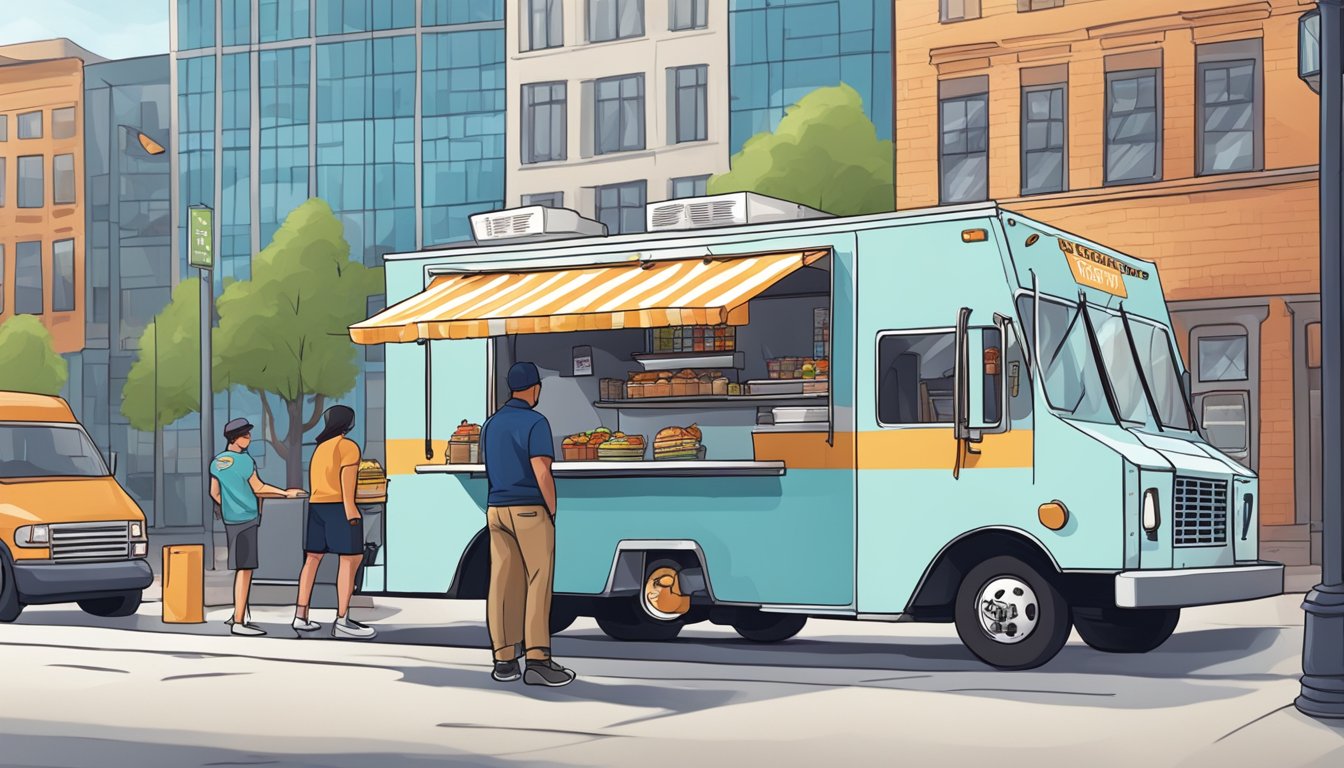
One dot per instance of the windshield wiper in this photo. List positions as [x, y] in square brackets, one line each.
[1138, 367]
[1096, 358]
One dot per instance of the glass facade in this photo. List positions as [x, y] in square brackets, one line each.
[234, 242]
[282, 20]
[195, 24]
[283, 116]
[195, 139]
[442, 12]
[236, 28]
[781, 50]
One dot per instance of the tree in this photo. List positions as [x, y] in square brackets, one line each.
[28, 361]
[284, 332]
[167, 371]
[825, 154]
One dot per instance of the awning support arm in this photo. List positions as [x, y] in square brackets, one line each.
[429, 399]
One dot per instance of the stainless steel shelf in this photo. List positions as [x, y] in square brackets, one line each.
[596, 469]
[714, 401]
[675, 361]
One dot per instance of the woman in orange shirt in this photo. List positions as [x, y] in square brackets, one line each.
[334, 523]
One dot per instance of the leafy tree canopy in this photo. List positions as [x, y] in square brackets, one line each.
[28, 361]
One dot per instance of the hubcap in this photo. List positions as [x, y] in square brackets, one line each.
[1008, 610]
[662, 598]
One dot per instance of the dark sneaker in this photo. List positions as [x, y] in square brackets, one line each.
[547, 673]
[506, 671]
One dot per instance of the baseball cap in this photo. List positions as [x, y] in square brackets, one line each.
[237, 426]
[523, 375]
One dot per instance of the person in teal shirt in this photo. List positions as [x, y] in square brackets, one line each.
[236, 488]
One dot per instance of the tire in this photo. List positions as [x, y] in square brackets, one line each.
[1035, 617]
[1125, 630]
[761, 627]
[10, 606]
[631, 620]
[115, 606]
[564, 611]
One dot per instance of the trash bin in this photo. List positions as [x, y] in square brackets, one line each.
[184, 584]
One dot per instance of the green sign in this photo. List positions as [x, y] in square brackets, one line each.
[201, 229]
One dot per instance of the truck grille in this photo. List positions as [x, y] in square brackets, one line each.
[90, 541]
[1199, 512]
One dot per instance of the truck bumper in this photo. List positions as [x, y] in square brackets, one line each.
[1182, 587]
[66, 582]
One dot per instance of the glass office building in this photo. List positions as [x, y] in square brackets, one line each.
[392, 111]
[780, 50]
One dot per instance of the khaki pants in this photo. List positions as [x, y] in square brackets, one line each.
[522, 569]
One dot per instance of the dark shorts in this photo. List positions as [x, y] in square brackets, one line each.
[329, 531]
[243, 545]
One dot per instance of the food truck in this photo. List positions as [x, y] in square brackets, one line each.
[764, 414]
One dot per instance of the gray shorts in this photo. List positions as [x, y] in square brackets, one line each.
[243, 545]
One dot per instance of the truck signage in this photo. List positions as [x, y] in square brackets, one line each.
[1095, 269]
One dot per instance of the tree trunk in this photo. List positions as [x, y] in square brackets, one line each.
[294, 444]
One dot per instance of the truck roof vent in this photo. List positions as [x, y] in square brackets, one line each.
[532, 223]
[724, 211]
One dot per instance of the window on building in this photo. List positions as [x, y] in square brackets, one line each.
[1231, 103]
[545, 24]
[28, 278]
[4, 127]
[959, 10]
[30, 125]
[687, 14]
[31, 180]
[196, 23]
[963, 155]
[621, 206]
[4, 181]
[915, 381]
[1225, 418]
[63, 180]
[280, 19]
[1044, 148]
[618, 114]
[615, 19]
[544, 122]
[237, 19]
[688, 88]
[63, 123]
[63, 276]
[1222, 358]
[1037, 5]
[1133, 126]
[547, 199]
[688, 186]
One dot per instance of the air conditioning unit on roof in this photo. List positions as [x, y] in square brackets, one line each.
[724, 211]
[532, 223]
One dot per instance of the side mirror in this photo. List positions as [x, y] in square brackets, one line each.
[112, 462]
[961, 417]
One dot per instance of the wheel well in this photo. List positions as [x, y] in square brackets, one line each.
[933, 600]
[631, 564]
[472, 579]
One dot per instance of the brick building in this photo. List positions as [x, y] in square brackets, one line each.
[1181, 135]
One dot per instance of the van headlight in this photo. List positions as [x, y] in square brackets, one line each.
[137, 529]
[1152, 517]
[32, 536]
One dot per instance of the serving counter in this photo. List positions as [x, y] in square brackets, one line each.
[596, 469]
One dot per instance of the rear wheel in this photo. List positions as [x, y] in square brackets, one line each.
[760, 627]
[657, 613]
[125, 604]
[564, 611]
[1009, 615]
[10, 607]
[1125, 630]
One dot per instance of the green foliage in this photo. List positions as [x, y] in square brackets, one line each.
[172, 344]
[825, 154]
[28, 361]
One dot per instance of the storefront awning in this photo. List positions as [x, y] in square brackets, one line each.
[650, 294]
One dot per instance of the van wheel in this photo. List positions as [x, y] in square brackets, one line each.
[656, 614]
[564, 611]
[1009, 615]
[1125, 630]
[10, 607]
[761, 627]
[116, 606]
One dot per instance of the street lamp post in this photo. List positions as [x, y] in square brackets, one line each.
[1321, 65]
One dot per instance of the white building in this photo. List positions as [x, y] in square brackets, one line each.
[613, 104]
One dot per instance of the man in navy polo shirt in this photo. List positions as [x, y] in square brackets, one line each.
[518, 450]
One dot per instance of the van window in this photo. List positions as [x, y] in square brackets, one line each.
[40, 450]
[915, 378]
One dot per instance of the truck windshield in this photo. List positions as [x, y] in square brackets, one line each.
[42, 450]
[1072, 377]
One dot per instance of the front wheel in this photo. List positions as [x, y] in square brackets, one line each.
[10, 606]
[116, 606]
[1125, 630]
[1009, 615]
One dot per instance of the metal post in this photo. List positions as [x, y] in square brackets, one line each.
[207, 416]
[1323, 648]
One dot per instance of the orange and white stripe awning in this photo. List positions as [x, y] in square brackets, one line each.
[651, 294]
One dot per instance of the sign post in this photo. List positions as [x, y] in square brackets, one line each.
[201, 255]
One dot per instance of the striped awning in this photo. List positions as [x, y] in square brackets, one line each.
[651, 294]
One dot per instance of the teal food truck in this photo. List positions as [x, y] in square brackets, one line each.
[765, 414]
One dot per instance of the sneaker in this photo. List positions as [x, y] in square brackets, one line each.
[247, 630]
[305, 625]
[348, 627]
[547, 673]
[247, 619]
[506, 671]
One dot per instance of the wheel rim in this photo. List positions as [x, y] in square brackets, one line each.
[661, 584]
[1008, 610]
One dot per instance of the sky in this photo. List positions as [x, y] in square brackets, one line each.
[113, 29]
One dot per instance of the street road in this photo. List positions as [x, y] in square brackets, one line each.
[80, 691]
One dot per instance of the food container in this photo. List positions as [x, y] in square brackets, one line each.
[800, 415]
[684, 387]
[734, 389]
[661, 388]
[719, 386]
[371, 482]
[775, 387]
[626, 453]
[463, 451]
[816, 386]
[633, 390]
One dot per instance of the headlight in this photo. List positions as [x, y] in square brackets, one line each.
[137, 529]
[139, 549]
[1152, 518]
[32, 536]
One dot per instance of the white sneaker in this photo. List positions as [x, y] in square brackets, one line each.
[305, 625]
[247, 618]
[348, 627]
[247, 630]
